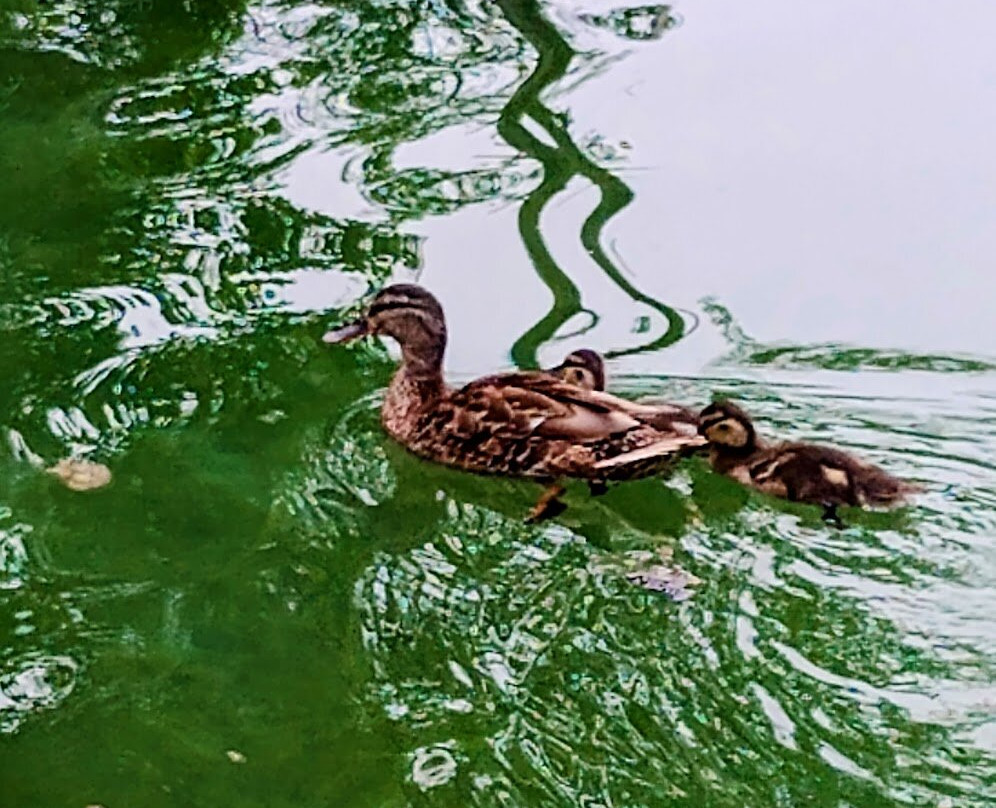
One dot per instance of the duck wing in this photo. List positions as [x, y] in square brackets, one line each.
[663, 416]
[520, 404]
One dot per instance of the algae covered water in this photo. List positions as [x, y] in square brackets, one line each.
[272, 605]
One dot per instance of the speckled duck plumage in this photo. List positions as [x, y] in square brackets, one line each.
[518, 424]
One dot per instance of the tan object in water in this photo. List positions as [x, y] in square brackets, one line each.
[81, 475]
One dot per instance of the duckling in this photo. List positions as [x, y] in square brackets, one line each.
[531, 425]
[585, 368]
[800, 472]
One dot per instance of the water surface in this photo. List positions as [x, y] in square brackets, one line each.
[273, 605]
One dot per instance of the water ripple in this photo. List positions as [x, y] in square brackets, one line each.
[836, 647]
[265, 550]
[32, 683]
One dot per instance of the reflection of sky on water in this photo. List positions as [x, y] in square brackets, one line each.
[822, 189]
[819, 188]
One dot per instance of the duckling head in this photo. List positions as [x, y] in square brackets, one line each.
[583, 368]
[408, 314]
[726, 426]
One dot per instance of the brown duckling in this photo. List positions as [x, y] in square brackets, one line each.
[800, 472]
[582, 368]
[518, 424]
[585, 368]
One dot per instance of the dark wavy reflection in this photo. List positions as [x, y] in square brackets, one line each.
[177, 252]
[561, 163]
[179, 245]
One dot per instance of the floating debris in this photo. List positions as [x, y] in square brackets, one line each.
[659, 574]
[672, 581]
[81, 475]
[653, 571]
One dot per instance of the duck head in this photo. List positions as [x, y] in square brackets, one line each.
[727, 427]
[412, 317]
[583, 368]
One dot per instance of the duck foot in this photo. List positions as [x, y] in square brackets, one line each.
[548, 505]
[597, 487]
[831, 517]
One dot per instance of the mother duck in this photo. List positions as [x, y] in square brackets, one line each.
[528, 424]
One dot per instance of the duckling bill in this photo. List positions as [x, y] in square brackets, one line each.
[799, 472]
[531, 425]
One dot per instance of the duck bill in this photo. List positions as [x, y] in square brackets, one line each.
[347, 333]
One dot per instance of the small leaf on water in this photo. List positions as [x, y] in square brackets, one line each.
[664, 577]
[81, 475]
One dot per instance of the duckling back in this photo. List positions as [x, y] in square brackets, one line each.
[823, 475]
[878, 488]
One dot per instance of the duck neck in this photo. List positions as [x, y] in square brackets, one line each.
[417, 384]
[423, 362]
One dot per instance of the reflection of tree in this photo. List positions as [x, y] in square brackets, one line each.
[68, 187]
[162, 231]
[561, 163]
[152, 238]
[573, 688]
[369, 78]
[219, 593]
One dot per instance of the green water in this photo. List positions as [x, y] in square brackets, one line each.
[271, 605]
